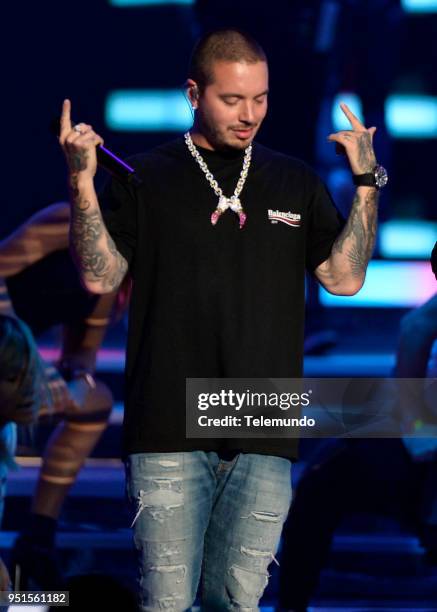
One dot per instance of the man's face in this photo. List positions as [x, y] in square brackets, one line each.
[231, 109]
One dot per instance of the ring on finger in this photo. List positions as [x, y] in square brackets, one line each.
[78, 128]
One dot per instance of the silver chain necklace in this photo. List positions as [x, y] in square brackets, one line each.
[224, 203]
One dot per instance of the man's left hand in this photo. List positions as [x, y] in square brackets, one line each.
[356, 143]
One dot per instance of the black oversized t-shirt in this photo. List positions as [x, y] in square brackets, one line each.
[213, 301]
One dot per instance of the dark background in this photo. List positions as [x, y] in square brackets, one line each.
[83, 50]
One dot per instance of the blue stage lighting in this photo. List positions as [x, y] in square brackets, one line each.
[389, 284]
[407, 238]
[419, 6]
[411, 116]
[338, 118]
[148, 111]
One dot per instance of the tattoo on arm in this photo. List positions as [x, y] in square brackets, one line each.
[357, 239]
[366, 155]
[91, 244]
[78, 161]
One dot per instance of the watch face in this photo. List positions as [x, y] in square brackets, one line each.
[381, 176]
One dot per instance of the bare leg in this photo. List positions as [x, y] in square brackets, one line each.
[65, 454]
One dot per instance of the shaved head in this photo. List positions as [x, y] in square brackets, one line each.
[228, 45]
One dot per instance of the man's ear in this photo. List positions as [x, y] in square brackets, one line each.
[192, 92]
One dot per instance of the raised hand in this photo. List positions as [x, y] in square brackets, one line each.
[356, 143]
[79, 144]
[101, 267]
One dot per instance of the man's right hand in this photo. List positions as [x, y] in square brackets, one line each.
[79, 145]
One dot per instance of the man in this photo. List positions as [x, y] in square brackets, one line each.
[216, 293]
[39, 288]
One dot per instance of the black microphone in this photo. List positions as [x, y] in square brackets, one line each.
[107, 160]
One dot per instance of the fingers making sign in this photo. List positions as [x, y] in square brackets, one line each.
[79, 144]
[357, 145]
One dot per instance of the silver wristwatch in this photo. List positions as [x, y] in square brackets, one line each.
[377, 178]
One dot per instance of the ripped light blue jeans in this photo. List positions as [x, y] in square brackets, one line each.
[195, 515]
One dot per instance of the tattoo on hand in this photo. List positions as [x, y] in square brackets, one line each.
[78, 161]
[366, 155]
[358, 237]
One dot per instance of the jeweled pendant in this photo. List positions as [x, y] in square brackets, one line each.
[234, 204]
